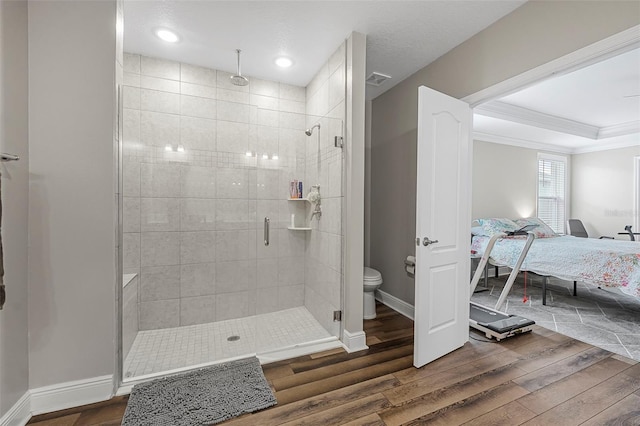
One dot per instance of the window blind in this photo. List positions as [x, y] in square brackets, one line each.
[552, 179]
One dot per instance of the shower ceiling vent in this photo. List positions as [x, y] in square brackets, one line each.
[376, 79]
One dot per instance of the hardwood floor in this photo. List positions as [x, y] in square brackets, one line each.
[540, 378]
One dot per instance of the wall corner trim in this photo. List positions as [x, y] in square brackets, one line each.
[20, 413]
[71, 394]
[396, 304]
[354, 342]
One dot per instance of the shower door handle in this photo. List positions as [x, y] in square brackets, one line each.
[266, 231]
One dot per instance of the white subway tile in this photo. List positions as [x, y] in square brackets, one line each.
[292, 106]
[232, 276]
[290, 296]
[233, 96]
[337, 58]
[232, 137]
[198, 182]
[232, 305]
[197, 310]
[267, 300]
[197, 75]
[197, 214]
[159, 314]
[232, 183]
[194, 106]
[267, 117]
[131, 63]
[154, 100]
[130, 214]
[130, 178]
[159, 129]
[293, 93]
[265, 87]
[159, 180]
[130, 97]
[160, 248]
[232, 214]
[131, 250]
[265, 102]
[197, 247]
[234, 245]
[197, 279]
[159, 283]
[161, 68]
[267, 272]
[160, 214]
[229, 111]
[162, 84]
[198, 133]
[130, 79]
[336, 88]
[198, 90]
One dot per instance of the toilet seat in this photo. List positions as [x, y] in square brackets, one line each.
[371, 276]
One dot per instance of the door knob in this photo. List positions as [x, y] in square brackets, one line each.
[426, 241]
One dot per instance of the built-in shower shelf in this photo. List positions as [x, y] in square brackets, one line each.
[298, 199]
[298, 229]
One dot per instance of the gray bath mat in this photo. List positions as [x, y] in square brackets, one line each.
[202, 397]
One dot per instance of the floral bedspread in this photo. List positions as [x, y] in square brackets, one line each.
[608, 263]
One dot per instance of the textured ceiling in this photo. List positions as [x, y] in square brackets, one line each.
[402, 36]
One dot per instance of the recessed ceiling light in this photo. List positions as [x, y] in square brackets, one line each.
[167, 35]
[284, 62]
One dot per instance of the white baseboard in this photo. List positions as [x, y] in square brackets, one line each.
[396, 304]
[354, 342]
[71, 394]
[19, 414]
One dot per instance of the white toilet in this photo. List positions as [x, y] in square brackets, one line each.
[372, 281]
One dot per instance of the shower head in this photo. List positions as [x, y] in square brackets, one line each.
[238, 79]
[309, 132]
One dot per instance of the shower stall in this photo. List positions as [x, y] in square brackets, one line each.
[219, 260]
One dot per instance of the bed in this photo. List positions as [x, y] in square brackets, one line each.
[601, 262]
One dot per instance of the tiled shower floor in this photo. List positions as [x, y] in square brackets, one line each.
[155, 351]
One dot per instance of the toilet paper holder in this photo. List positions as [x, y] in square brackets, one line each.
[410, 264]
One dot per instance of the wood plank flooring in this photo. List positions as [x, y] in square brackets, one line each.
[540, 378]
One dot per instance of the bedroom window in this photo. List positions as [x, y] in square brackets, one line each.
[552, 190]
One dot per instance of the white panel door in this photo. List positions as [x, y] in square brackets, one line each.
[443, 221]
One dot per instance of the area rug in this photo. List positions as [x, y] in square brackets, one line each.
[203, 397]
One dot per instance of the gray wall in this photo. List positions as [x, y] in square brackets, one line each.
[504, 181]
[602, 190]
[14, 359]
[72, 268]
[532, 35]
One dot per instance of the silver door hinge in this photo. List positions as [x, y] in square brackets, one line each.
[337, 316]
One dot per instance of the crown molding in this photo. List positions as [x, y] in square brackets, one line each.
[619, 130]
[517, 114]
[597, 147]
[522, 143]
[540, 146]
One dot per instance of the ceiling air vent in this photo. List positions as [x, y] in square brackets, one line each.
[376, 79]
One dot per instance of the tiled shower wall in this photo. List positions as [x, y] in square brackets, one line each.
[324, 166]
[193, 219]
